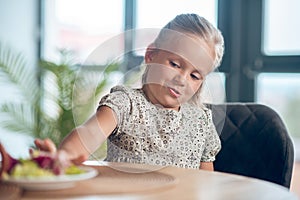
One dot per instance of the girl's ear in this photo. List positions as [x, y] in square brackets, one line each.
[149, 53]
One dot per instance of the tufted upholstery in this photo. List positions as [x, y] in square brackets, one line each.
[255, 142]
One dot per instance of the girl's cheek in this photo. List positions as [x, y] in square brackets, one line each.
[191, 89]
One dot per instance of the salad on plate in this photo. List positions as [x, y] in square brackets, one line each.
[40, 164]
[42, 170]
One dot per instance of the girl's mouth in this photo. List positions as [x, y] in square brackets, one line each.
[174, 92]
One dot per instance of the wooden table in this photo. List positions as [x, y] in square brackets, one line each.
[143, 182]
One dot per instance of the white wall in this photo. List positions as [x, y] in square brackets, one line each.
[18, 31]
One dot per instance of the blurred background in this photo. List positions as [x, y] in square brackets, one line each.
[261, 62]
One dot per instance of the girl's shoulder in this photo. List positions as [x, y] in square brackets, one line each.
[198, 111]
[125, 89]
[121, 99]
[196, 108]
[125, 92]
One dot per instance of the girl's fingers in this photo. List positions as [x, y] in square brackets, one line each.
[38, 144]
[45, 145]
[66, 160]
[79, 160]
[50, 144]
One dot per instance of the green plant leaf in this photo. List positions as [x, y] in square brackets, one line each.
[18, 117]
[15, 72]
[65, 89]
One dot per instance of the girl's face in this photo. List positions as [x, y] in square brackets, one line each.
[171, 80]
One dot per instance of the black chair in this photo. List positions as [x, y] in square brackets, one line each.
[255, 142]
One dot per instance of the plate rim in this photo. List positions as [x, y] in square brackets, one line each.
[90, 173]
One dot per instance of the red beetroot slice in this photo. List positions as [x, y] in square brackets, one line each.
[44, 161]
[8, 162]
[48, 162]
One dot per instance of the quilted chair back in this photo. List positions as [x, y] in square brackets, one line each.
[255, 142]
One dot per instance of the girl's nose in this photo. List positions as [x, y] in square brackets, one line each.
[180, 79]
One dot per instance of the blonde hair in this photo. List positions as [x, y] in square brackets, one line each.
[200, 27]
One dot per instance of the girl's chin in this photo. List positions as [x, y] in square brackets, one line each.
[172, 108]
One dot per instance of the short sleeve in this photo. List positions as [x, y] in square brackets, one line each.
[212, 142]
[119, 101]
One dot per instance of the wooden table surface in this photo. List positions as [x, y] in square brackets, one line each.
[144, 182]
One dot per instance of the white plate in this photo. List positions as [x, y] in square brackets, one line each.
[55, 182]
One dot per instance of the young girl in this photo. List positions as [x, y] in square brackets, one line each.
[163, 123]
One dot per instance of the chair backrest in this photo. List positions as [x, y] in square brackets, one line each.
[255, 142]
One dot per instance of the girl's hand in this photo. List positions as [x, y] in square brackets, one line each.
[45, 145]
[48, 145]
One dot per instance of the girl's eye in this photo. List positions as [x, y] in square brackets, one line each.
[174, 64]
[195, 77]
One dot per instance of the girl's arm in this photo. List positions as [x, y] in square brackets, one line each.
[85, 139]
[207, 166]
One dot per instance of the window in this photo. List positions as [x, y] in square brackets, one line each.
[282, 48]
[285, 100]
[80, 26]
[262, 55]
[150, 15]
[281, 27]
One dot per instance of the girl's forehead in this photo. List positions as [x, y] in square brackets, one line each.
[194, 50]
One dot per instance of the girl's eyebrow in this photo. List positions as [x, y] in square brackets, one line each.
[202, 72]
[198, 72]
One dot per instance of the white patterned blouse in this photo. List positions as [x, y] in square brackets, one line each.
[149, 134]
